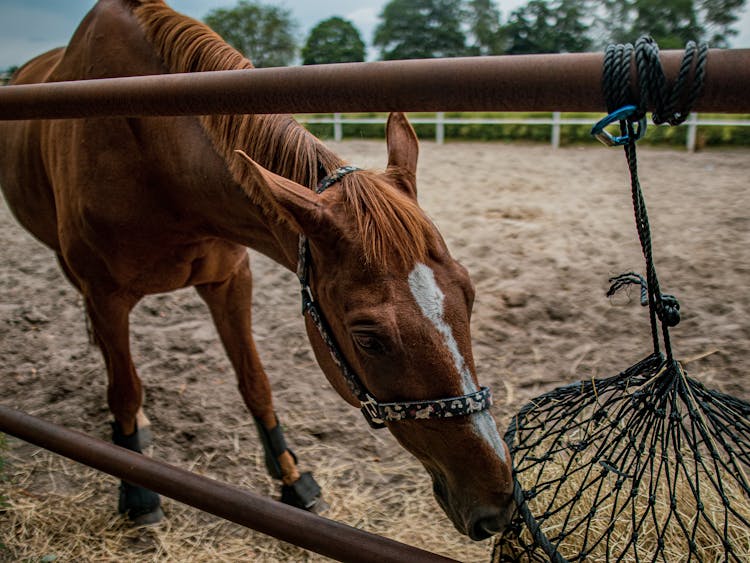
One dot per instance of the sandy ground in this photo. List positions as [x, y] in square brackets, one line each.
[540, 231]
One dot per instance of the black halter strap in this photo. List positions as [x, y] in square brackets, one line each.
[376, 413]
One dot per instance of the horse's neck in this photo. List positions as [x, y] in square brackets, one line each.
[278, 143]
[281, 145]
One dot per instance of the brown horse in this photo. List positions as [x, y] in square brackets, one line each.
[138, 206]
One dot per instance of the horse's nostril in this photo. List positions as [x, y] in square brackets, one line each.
[482, 530]
[488, 526]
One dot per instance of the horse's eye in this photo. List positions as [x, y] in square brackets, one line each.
[368, 342]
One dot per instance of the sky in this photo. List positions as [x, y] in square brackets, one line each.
[30, 27]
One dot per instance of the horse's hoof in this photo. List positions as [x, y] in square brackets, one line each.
[320, 507]
[149, 518]
[145, 437]
[304, 493]
[141, 505]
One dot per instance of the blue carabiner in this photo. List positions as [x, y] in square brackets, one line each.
[622, 114]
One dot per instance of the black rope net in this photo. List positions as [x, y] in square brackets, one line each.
[648, 465]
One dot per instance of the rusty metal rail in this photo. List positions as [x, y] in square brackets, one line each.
[560, 82]
[321, 535]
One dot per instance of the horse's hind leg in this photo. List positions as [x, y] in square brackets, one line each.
[230, 303]
[109, 317]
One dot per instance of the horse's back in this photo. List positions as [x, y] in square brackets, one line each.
[39, 68]
[39, 158]
[48, 167]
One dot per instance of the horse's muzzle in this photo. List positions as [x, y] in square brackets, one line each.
[487, 523]
[476, 520]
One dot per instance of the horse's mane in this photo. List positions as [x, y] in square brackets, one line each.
[390, 224]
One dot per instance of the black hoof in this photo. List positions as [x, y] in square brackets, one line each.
[320, 507]
[145, 437]
[149, 518]
[304, 493]
[141, 505]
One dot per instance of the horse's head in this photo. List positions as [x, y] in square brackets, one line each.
[398, 307]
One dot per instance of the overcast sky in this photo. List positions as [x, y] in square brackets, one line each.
[30, 27]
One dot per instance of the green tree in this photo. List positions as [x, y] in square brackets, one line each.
[485, 31]
[264, 34]
[615, 22]
[672, 23]
[6, 74]
[334, 40]
[3, 448]
[421, 29]
[717, 18]
[541, 26]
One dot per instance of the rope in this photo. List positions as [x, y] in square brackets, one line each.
[671, 104]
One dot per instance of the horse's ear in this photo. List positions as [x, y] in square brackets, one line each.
[403, 151]
[294, 203]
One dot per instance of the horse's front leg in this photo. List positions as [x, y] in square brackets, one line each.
[110, 326]
[230, 303]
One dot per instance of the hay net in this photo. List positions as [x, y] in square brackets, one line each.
[648, 465]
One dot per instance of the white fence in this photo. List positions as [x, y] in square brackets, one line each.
[556, 121]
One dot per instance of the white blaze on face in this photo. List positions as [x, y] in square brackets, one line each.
[430, 299]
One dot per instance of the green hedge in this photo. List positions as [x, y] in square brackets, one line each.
[707, 136]
[3, 500]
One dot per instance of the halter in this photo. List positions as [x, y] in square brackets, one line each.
[376, 413]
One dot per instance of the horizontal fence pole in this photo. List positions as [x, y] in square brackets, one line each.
[559, 82]
[321, 535]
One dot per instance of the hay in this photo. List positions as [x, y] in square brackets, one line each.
[614, 485]
[669, 530]
[62, 511]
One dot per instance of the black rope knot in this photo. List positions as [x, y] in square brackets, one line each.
[670, 310]
[667, 307]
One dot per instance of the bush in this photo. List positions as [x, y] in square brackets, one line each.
[3, 500]
[3, 448]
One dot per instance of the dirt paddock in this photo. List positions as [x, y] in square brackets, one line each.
[540, 231]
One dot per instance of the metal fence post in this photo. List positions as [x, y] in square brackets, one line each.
[338, 130]
[440, 127]
[692, 132]
[555, 129]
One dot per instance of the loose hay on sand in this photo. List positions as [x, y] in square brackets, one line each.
[62, 510]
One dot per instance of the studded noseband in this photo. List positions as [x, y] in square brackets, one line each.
[376, 413]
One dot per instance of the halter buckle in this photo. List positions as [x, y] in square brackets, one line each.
[307, 298]
[371, 412]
